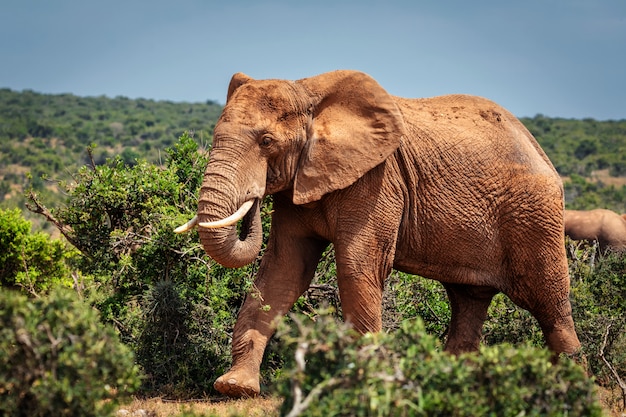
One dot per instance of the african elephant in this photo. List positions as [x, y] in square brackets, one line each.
[452, 188]
[604, 226]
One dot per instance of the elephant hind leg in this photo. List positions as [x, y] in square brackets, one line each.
[556, 322]
[469, 306]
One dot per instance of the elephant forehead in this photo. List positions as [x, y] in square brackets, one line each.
[264, 102]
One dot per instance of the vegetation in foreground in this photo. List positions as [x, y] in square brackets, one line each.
[58, 359]
[405, 372]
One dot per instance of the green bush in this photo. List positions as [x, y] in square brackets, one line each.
[411, 296]
[31, 261]
[57, 359]
[334, 373]
[171, 303]
[509, 323]
[598, 293]
[182, 344]
[583, 194]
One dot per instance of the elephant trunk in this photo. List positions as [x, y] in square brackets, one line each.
[230, 193]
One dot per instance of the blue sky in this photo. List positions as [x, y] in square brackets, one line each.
[560, 58]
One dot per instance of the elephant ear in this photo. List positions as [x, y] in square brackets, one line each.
[237, 81]
[355, 126]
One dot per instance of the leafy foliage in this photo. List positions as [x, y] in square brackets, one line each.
[171, 303]
[32, 261]
[334, 372]
[410, 296]
[57, 359]
[181, 343]
[598, 291]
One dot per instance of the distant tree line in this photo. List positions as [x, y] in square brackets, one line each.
[582, 146]
[590, 155]
[44, 137]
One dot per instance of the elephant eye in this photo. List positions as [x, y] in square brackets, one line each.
[266, 141]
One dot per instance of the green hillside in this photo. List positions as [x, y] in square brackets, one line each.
[44, 139]
[590, 155]
[48, 135]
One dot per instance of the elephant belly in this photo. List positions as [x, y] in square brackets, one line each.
[452, 266]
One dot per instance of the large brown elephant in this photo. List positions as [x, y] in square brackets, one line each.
[452, 188]
[603, 226]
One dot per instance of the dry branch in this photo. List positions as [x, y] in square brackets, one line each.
[39, 208]
[621, 383]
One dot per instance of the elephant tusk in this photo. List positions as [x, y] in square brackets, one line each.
[187, 226]
[230, 220]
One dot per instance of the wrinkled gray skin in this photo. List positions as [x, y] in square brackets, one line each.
[452, 188]
[603, 226]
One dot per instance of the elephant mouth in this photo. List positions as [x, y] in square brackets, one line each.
[246, 223]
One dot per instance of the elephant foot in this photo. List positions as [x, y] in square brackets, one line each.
[562, 338]
[238, 383]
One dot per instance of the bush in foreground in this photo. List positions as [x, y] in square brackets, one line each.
[153, 285]
[405, 373]
[31, 261]
[57, 359]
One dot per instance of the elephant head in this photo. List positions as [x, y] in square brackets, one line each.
[308, 138]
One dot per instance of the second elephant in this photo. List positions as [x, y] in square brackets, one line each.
[604, 226]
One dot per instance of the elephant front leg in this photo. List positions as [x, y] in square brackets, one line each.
[281, 279]
[361, 284]
[250, 336]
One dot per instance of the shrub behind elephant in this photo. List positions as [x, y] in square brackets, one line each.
[452, 188]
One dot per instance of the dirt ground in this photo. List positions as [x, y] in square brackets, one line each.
[156, 407]
[269, 406]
